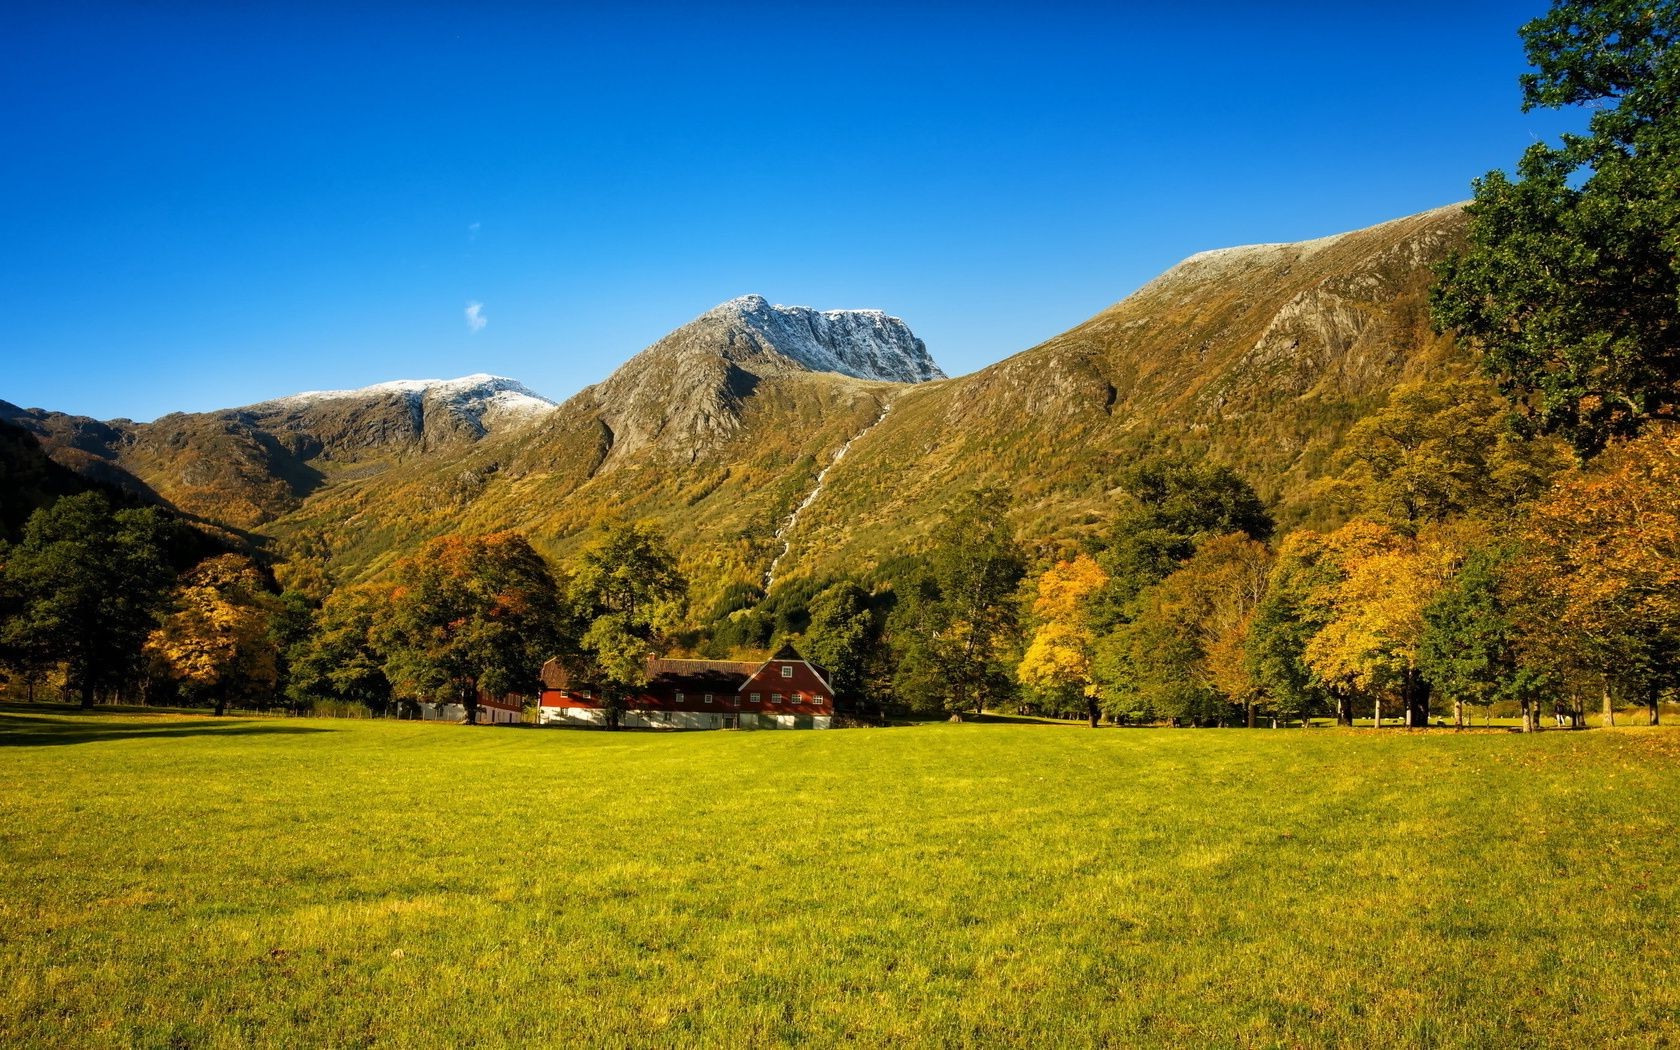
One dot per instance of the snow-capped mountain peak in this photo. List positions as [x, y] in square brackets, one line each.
[863, 344]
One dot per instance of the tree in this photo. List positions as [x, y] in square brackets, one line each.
[1294, 609]
[88, 582]
[843, 637]
[1471, 646]
[626, 594]
[1058, 661]
[1439, 449]
[1174, 504]
[954, 625]
[470, 613]
[341, 659]
[1180, 656]
[1369, 641]
[216, 640]
[1570, 281]
[1600, 568]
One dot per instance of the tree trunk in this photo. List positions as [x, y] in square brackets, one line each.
[1344, 710]
[1092, 711]
[1376, 713]
[1458, 714]
[1609, 705]
[221, 701]
[1653, 703]
[85, 689]
[1250, 706]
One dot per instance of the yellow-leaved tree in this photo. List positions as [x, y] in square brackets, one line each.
[1369, 641]
[1058, 660]
[215, 642]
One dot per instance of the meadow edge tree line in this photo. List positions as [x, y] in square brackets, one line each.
[1508, 537]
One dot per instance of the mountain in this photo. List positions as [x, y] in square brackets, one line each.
[817, 442]
[1260, 357]
[246, 466]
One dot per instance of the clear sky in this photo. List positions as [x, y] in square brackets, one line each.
[208, 204]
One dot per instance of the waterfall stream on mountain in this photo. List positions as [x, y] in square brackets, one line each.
[785, 532]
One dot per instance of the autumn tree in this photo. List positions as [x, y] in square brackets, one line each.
[470, 613]
[1570, 281]
[625, 596]
[1058, 660]
[1180, 656]
[1370, 640]
[88, 581]
[1441, 448]
[216, 638]
[954, 625]
[1600, 563]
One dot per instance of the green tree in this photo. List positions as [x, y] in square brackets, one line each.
[470, 613]
[1570, 281]
[88, 581]
[342, 659]
[626, 595]
[953, 627]
[843, 637]
[1172, 505]
[1471, 649]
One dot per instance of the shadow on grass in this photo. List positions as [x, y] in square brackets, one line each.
[34, 731]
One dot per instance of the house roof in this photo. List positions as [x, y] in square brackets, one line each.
[717, 676]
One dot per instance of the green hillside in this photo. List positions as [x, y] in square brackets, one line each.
[176, 881]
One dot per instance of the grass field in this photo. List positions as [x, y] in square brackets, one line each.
[176, 881]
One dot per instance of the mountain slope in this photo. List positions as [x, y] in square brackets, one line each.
[245, 466]
[716, 432]
[1259, 357]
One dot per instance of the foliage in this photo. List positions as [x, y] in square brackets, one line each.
[1179, 657]
[87, 581]
[1441, 449]
[1570, 283]
[216, 640]
[953, 627]
[844, 638]
[1058, 663]
[625, 593]
[470, 613]
[1294, 609]
[1174, 504]
[1368, 643]
[1471, 647]
[1600, 565]
[342, 659]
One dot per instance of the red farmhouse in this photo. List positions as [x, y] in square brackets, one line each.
[786, 691]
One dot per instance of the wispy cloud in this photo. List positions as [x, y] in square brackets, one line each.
[472, 231]
[475, 317]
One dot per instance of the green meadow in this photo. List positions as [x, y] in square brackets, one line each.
[182, 881]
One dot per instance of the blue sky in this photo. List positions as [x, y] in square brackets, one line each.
[206, 206]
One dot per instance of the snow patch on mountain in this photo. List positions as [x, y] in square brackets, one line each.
[863, 344]
[480, 397]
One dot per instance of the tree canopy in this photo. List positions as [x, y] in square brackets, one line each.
[1570, 281]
